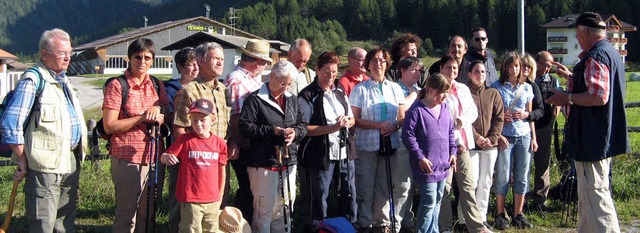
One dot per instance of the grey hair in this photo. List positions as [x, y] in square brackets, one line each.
[284, 69]
[203, 49]
[47, 37]
[598, 31]
[353, 51]
[299, 43]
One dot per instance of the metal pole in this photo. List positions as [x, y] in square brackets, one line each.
[521, 26]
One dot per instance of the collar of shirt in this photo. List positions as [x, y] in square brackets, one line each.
[581, 55]
[245, 72]
[131, 79]
[213, 84]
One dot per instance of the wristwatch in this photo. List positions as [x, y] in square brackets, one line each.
[570, 101]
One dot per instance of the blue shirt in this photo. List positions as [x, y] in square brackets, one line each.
[19, 107]
[513, 102]
[172, 87]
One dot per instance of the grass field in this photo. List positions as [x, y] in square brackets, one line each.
[96, 201]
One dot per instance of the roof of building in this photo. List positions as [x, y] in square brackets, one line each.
[227, 41]
[565, 21]
[144, 31]
[6, 55]
[16, 65]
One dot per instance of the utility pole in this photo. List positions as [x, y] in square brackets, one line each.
[233, 19]
[146, 20]
[521, 26]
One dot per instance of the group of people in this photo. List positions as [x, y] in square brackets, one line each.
[375, 135]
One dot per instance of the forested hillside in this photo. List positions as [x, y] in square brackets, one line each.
[324, 21]
[327, 23]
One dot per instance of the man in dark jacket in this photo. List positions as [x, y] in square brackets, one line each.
[272, 122]
[596, 128]
[479, 51]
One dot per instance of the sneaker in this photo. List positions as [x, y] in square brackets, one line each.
[502, 221]
[521, 222]
[486, 224]
[446, 230]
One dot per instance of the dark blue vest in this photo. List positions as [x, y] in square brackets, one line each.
[596, 133]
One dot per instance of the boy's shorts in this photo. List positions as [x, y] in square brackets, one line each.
[199, 217]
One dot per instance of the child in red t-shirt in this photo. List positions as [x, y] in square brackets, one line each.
[201, 175]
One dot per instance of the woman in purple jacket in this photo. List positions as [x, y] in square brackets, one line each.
[428, 134]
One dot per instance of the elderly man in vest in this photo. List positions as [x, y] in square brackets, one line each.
[48, 137]
[596, 128]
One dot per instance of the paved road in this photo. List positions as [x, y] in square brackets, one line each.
[90, 96]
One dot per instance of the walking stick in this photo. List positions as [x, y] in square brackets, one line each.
[569, 204]
[282, 153]
[12, 202]
[386, 151]
[152, 178]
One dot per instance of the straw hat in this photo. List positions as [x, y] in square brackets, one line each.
[257, 49]
[231, 221]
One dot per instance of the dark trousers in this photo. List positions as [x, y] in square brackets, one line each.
[244, 197]
[315, 186]
[542, 162]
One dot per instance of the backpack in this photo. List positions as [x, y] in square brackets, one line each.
[5, 149]
[99, 131]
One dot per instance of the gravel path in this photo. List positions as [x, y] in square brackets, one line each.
[90, 96]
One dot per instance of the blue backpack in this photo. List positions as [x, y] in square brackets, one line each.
[5, 149]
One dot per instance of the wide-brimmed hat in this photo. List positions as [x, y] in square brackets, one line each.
[257, 49]
[231, 221]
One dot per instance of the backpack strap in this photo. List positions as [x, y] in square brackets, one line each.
[124, 92]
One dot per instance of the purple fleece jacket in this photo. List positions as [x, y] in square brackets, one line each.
[426, 136]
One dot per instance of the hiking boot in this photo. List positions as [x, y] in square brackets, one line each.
[445, 230]
[487, 225]
[521, 222]
[461, 227]
[364, 230]
[502, 221]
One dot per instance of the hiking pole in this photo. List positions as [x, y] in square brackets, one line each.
[569, 205]
[387, 153]
[286, 178]
[12, 202]
[151, 179]
[280, 167]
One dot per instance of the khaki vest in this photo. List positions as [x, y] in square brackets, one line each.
[48, 131]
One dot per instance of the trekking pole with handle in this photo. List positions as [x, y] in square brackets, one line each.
[12, 202]
[152, 178]
[387, 152]
[282, 179]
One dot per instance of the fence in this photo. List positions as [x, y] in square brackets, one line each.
[9, 82]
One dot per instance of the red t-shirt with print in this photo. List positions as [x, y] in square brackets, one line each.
[200, 161]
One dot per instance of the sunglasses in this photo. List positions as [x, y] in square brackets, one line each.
[480, 39]
[139, 58]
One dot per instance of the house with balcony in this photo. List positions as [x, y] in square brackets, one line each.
[563, 45]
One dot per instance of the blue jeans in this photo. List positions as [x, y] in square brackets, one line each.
[516, 158]
[429, 208]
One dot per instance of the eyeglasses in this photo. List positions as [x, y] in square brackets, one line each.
[356, 59]
[480, 39]
[60, 54]
[379, 61]
[139, 58]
